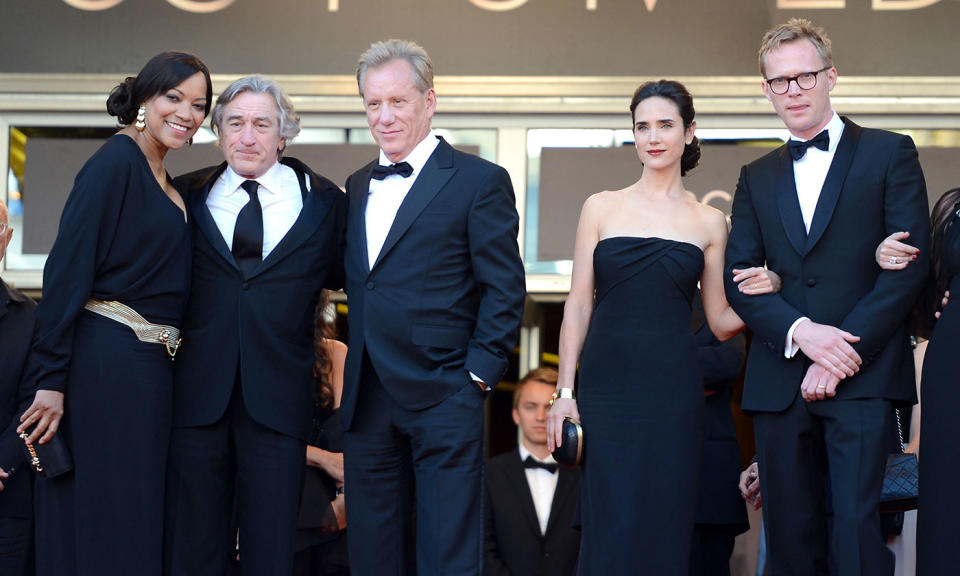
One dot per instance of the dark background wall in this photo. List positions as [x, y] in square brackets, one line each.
[539, 37]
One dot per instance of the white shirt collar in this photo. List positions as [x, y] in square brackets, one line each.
[418, 157]
[524, 453]
[269, 180]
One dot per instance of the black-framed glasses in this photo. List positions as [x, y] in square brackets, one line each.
[805, 81]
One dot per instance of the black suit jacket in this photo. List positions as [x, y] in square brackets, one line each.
[264, 322]
[445, 295]
[874, 187]
[513, 542]
[718, 500]
[16, 333]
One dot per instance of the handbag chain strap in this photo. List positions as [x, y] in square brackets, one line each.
[899, 428]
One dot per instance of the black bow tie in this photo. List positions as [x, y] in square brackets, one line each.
[530, 462]
[381, 172]
[798, 148]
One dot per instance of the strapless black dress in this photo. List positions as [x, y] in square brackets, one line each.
[641, 402]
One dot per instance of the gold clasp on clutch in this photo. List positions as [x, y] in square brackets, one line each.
[34, 459]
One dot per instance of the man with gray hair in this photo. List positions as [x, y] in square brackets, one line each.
[268, 237]
[436, 290]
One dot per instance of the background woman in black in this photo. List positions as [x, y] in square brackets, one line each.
[123, 237]
[321, 543]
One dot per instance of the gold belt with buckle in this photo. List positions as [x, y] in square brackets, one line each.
[145, 331]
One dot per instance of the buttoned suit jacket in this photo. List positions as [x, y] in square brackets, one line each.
[513, 542]
[874, 187]
[263, 323]
[16, 334]
[445, 294]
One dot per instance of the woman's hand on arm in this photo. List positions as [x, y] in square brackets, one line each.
[757, 280]
[46, 412]
[329, 462]
[893, 254]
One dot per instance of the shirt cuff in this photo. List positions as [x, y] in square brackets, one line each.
[791, 349]
[480, 381]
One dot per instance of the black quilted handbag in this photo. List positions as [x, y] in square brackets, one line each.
[900, 480]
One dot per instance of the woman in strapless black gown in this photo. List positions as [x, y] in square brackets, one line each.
[639, 254]
[939, 505]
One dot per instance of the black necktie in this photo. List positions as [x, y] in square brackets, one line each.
[248, 232]
[798, 149]
[380, 172]
[530, 462]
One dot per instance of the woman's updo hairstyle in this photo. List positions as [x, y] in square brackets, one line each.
[678, 94]
[163, 72]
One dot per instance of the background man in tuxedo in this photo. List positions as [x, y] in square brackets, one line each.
[529, 498]
[16, 479]
[268, 237]
[436, 289]
[825, 361]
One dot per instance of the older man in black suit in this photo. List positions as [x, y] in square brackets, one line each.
[530, 500]
[268, 236]
[436, 289]
[825, 361]
[16, 491]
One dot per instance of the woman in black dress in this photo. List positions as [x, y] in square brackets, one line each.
[122, 250]
[638, 257]
[320, 542]
[939, 506]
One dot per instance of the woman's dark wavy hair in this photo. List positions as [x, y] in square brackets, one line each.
[679, 95]
[163, 72]
[946, 213]
[323, 330]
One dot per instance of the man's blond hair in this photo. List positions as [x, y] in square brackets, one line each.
[795, 29]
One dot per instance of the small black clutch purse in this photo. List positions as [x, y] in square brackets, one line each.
[48, 460]
[900, 483]
[570, 451]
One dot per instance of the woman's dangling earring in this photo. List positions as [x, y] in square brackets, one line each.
[141, 118]
[190, 141]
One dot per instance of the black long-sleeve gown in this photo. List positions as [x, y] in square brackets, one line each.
[120, 238]
[939, 504]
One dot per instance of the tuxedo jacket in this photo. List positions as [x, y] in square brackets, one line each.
[445, 295]
[16, 333]
[263, 323]
[718, 499]
[513, 542]
[874, 187]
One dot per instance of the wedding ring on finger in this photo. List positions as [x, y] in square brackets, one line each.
[894, 260]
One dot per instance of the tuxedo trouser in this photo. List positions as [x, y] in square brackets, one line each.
[210, 466]
[414, 481]
[843, 442]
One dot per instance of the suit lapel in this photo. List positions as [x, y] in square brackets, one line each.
[435, 174]
[564, 491]
[311, 216]
[518, 477]
[788, 202]
[198, 192]
[356, 223]
[830, 193]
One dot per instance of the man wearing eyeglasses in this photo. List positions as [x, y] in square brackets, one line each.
[16, 481]
[830, 349]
